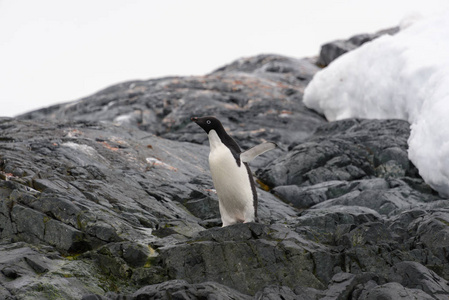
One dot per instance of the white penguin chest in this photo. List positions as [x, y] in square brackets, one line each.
[230, 180]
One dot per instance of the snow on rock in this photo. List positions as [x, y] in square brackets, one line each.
[404, 76]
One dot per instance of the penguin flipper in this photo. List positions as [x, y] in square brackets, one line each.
[255, 151]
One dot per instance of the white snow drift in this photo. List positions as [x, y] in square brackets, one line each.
[404, 76]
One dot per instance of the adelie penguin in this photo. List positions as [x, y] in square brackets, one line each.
[231, 175]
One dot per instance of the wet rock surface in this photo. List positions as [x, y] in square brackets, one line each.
[110, 197]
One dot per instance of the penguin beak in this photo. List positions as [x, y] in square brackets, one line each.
[194, 119]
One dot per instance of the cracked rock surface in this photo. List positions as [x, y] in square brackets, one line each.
[110, 197]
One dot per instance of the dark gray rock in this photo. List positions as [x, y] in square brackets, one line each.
[393, 291]
[413, 275]
[39, 266]
[342, 285]
[30, 273]
[82, 192]
[274, 67]
[93, 297]
[110, 197]
[330, 225]
[180, 289]
[177, 289]
[93, 212]
[332, 50]
[119, 259]
[248, 257]
[432, 230]
[373, 233]
[345, 165]
[10, 273]
[245, 95]
[386, 202]
[344, 150]
[308, 196]
[274, 292]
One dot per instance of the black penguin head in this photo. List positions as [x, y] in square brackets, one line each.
[212, 123]
[208, 123]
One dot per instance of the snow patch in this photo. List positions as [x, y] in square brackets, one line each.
[405, 76]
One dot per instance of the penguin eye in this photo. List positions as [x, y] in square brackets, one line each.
[208, 122]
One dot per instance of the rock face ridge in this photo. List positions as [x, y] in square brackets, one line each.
[332, 50]
[110, 197]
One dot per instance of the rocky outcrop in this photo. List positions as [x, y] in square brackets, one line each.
[245, 95]
[332, 50]
[110, 197]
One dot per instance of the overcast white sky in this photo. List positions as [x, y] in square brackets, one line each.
[54, 51]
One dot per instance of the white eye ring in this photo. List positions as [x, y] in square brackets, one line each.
[208, 122]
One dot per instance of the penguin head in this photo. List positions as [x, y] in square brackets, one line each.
[208, 123]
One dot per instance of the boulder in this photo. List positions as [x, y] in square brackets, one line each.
[344, 150]
[274, 292]
[393, 290]
[332, 50]
[413, 275]
[248, 257]
[28, 272]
